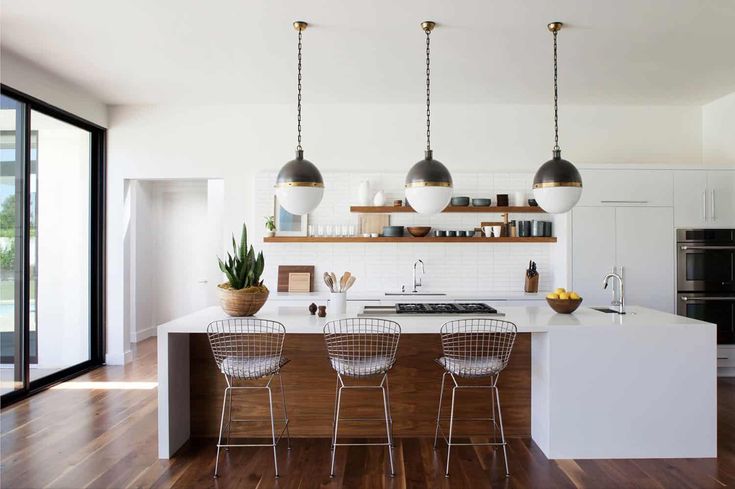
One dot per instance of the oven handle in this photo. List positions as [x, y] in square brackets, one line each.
[701, 247]
[726, 299]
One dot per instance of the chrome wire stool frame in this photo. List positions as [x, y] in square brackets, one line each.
[249, 349]
[361, 348]
[475, 349]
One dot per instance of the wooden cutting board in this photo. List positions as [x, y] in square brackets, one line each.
[285, 270]
[373, 223]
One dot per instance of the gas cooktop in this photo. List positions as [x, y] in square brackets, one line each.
[445, 308]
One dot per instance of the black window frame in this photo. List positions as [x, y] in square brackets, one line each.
[97, 258]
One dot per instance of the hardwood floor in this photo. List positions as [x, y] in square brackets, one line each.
[106, 438]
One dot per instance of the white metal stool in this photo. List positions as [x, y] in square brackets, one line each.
[475, 348]
[247, 349]
[360, 348]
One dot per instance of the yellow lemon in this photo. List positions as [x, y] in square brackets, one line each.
[552, 296]
[574, 295]
[564, 296]
[560, 290]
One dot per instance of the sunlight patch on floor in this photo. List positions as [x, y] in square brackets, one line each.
[106, 386]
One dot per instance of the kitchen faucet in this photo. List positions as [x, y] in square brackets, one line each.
[417, 284]
[620, 302]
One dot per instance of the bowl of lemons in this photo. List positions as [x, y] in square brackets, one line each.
[564, 302]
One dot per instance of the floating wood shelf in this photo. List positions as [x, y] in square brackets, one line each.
[389, 209]
[404, 239]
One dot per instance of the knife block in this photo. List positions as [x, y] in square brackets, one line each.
[531, 284]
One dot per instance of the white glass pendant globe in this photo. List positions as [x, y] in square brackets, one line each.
[299, 200]
[428, 200]
[557, 200]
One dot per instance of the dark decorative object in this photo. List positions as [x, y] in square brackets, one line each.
[322, 311]
[532, 203]
[502, 200]
[312, 308]
[460, 201]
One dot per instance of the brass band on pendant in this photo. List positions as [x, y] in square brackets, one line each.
[428, 184]
[557, 184]
[299, 184]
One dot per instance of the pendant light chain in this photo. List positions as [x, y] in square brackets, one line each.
[556, 98]
[428, 90]
[298, 104]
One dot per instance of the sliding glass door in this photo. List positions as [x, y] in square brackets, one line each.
[52, 201]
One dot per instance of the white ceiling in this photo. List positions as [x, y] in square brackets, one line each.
[653, 52]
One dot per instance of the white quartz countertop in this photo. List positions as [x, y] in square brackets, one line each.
[529, 319]
[408, 297]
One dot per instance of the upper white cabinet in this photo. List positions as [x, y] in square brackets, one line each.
[704, 198]
[622, 187]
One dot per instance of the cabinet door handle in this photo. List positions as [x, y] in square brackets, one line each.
[723, 358]
[712, 208]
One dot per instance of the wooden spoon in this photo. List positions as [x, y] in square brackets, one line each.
[334, 281]
[328, 281]
[343, 281]
[350, 281]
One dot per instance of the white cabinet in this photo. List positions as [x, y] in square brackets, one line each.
[704, 198]
[721, 184]
[593, 252]
[640, 239]
[645, 246]
[626, 187]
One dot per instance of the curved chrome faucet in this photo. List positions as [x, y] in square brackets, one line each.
[417, 284]
[620, 303]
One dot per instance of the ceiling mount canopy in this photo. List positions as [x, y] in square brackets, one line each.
[299, 184]
[557, 185]
[428, 182]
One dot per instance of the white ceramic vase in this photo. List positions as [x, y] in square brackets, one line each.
[363, 192]
[379, 198]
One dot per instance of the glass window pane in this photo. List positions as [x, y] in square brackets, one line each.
[11, 158]
[59, 244]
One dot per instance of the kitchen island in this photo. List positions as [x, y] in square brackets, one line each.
[585, 385]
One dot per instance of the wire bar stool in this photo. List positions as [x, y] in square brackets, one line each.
[475, 349]
[361, 348]
[247, 349]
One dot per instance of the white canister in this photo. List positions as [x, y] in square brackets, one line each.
[338, 302]
[363, 192]
[379, 198]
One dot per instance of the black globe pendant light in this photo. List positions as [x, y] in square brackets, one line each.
[299, 185]
[557, 185]
[428, 182]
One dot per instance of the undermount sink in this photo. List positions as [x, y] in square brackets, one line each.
[606, 310]
[414, 294]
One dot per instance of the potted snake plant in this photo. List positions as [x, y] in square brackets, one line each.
[244, 293]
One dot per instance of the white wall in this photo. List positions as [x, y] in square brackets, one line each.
[718, 131]
[234, 142]
[33, 80]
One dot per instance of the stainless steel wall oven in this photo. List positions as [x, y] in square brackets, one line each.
[706, 278]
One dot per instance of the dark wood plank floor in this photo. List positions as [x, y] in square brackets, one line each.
[106, 438]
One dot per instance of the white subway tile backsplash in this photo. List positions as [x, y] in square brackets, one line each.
[386, 266]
